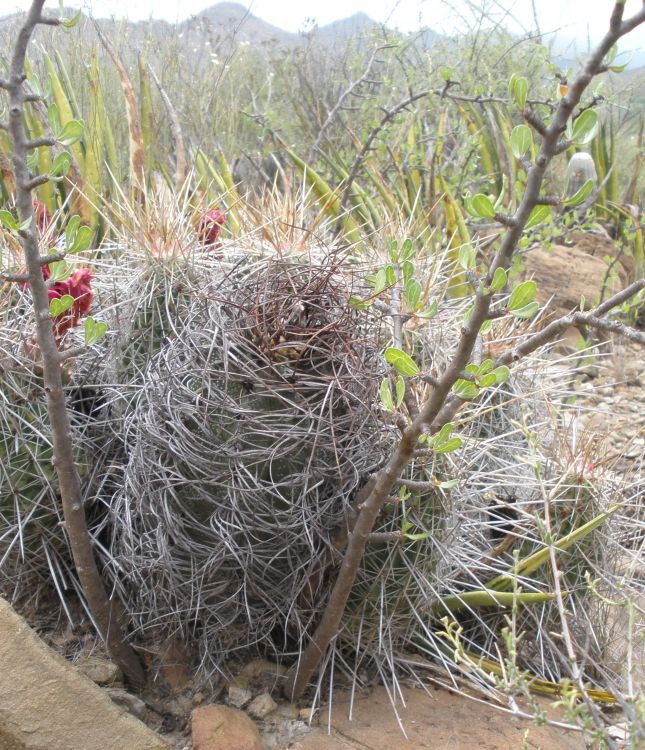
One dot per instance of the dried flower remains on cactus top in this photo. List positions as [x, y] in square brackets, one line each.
[209, 227]
[76, 286]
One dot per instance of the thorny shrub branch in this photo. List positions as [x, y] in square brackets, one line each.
[105, 612]
[440, 407]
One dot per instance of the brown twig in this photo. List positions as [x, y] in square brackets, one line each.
[104, 612]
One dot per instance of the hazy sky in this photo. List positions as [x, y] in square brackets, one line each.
[573, 17]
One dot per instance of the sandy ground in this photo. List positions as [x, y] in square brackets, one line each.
[433, 720]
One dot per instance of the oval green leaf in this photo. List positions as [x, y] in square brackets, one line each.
[585, 126]
[401, 362]
[522, 295]
[521, 140]
[71, 133]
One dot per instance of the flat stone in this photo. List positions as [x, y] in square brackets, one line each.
[218, 727]
[238, 697]
[46, 704]
[262, 706]
[100, 671]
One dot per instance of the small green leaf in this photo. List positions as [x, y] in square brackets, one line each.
[399, 385]
[441, 436]
[528, 311]
[519, 89]
[71, 228]
[390, 275]
[94, 330]
[8, 220]
[486, 366]
[522, 295]
[537, 216]
[408, 270]
[393, 250]
[486, 381]
[449, 445]
[429, 312]
[481, 206]
[71, 133]
[82, 240]
[500, 278]
[380, 281]
[402, 362]
[61, 164]
[360, 304]
[53, 116]
[521, 140]
[501, 373]
[418, 537]
[580, 195]
[386, 395]
[467, 256]
[585, 126]
[407, 250]
[413, 291]
[69, 23]
[465, 389]
[449, 484]
[59, 270]
[26, 224]
[59, 305]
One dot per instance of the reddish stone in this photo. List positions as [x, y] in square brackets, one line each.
[217, 727]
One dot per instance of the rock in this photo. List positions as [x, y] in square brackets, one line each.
[262, 706]
[129, 702]
[287, 711]
[218, 727]
[100, 671]
[238, 697]
[307, 714]
[46, 703]
[173, 665]
[260, 676]
[564, 274]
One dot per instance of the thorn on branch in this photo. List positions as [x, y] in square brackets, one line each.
[535, 122]
[41, 179]
[412, 484]
[562, 146]
[45, 260]
[430, 380]
[38, 142]
[507, 221]
[75, 351]
[385, 536]
[21, 278]
[49, 21]
[548, 200]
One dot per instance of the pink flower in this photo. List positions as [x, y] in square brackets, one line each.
[209, 227]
